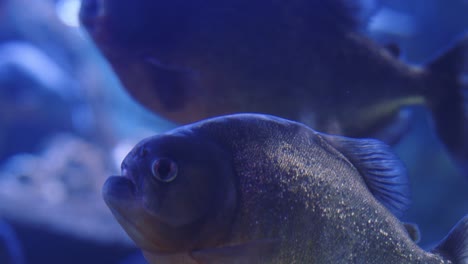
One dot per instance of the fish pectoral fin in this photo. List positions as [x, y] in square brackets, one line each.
[384, 174]
[259, 251]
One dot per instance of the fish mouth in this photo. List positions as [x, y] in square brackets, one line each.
[119, 191]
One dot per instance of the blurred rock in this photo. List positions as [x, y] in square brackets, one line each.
[60, 189]
[24, 93]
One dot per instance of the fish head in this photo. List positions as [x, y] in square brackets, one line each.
[182, 59]
[155, 48]
[177, 193]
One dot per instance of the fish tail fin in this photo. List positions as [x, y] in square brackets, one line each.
[448, 100]
[455, 245]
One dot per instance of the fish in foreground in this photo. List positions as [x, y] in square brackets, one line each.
[304, 60]
[252, 188]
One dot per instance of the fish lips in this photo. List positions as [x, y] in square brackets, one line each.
[119, 191]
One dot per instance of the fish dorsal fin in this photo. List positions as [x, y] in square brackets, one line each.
[383, 172]
[455, 245]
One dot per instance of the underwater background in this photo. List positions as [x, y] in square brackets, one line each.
[66, 124]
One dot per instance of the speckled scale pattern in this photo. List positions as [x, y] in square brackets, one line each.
[294, 187]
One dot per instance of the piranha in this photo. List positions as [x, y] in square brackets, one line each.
[251, 188]
[304, 60]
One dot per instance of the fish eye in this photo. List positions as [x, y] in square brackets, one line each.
[164, 169]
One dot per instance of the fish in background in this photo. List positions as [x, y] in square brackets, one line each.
[252, 188]
[11, 251]
[303, 60]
